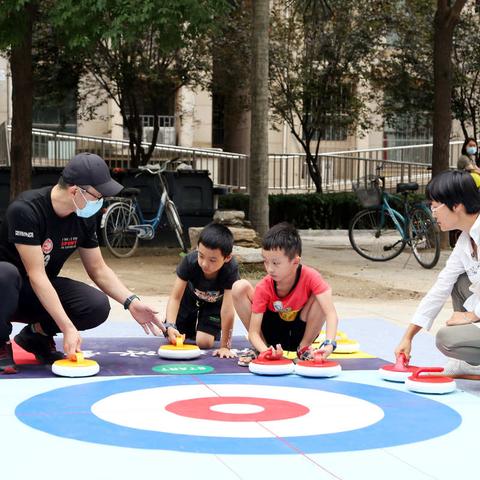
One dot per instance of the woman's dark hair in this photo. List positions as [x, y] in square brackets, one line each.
[465, 143]
[216, 235]
[453, 187]
[283, 236]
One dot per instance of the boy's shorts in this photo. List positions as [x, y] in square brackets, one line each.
[195, 314]
[287, 334]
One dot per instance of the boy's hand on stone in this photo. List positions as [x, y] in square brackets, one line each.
[172, 334]
[326, 351]
[224, 352]
[275, 353]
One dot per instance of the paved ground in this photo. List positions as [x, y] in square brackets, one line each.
[390, 290]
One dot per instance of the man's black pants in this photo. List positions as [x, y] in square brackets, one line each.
[86, 306]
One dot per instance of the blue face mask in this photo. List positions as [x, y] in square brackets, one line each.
[90, 208]
[471, 150]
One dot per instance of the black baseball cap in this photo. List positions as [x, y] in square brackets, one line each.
[90, 169]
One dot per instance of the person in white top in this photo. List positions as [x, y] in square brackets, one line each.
[455, 204]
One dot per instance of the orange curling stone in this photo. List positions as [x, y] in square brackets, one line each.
[80, 367]
[399, 371]
[438, 384]
[180, 351]
[319, 367]
[269, 363]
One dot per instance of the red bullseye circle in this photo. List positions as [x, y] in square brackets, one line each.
[272, 409]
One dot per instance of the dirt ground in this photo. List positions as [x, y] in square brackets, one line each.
[151, 271]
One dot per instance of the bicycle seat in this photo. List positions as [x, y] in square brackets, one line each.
[130, 192]
[407, 187]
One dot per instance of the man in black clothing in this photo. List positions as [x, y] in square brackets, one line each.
[41, 229]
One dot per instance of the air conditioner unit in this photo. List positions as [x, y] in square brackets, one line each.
[166, 135]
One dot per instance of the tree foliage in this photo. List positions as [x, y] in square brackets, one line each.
[140, 53]
[13, 23]
[321, 53]
[403, 76]
[231, 50]
[17, 20]
[466, 75]
[406, 77]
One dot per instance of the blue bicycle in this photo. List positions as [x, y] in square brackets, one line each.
[123, 224]
[381, 232]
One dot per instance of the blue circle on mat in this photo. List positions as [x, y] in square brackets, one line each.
[66, 412]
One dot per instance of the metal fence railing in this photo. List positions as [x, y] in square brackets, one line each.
[287, 173]
[50, 148]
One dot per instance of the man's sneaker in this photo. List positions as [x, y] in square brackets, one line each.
[7, 364]
[42, 346]
[460, 369]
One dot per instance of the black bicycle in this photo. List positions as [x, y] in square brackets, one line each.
[381, 232]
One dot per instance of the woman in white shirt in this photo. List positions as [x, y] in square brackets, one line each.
[455, 204]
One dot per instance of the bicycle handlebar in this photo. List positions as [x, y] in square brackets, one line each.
[153, 169]
[156, 168]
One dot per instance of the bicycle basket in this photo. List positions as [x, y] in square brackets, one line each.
[368, 191]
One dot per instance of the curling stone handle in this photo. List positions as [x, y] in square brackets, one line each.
[417, 372]
[401, 361]
[179, 340]
[79, 358]
[318, 357]
[269, 355]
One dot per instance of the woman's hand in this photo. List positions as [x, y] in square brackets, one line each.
[461, 318]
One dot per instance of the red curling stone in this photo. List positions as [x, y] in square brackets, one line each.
[270, 364]
[317, 367]
[399, 371]
[437, 384]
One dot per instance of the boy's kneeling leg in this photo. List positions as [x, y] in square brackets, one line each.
[242, 294]
[208, 330]
[204, 340]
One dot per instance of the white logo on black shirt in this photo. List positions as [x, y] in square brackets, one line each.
[20, 233]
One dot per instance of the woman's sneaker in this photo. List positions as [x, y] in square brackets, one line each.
[7, 364]
[42, 346]
[460, 369]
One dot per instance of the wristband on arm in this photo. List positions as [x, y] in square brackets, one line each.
[168, 325]
[326, 342]
[129, 300]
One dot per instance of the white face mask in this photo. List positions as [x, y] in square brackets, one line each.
[91, 207]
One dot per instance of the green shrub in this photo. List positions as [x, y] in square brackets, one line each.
[306, 210]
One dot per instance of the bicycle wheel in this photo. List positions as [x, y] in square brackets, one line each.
[374, 236]
[175, 223]
[120, 241]
[424, 238]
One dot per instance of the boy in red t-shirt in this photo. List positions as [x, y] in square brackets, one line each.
[289, 306]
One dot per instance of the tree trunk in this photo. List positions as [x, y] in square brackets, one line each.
[445, 21]
[22, 102]
[314, 171]
[258, 176]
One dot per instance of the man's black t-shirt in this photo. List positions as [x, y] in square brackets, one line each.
[208, 290]
[31, 220]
